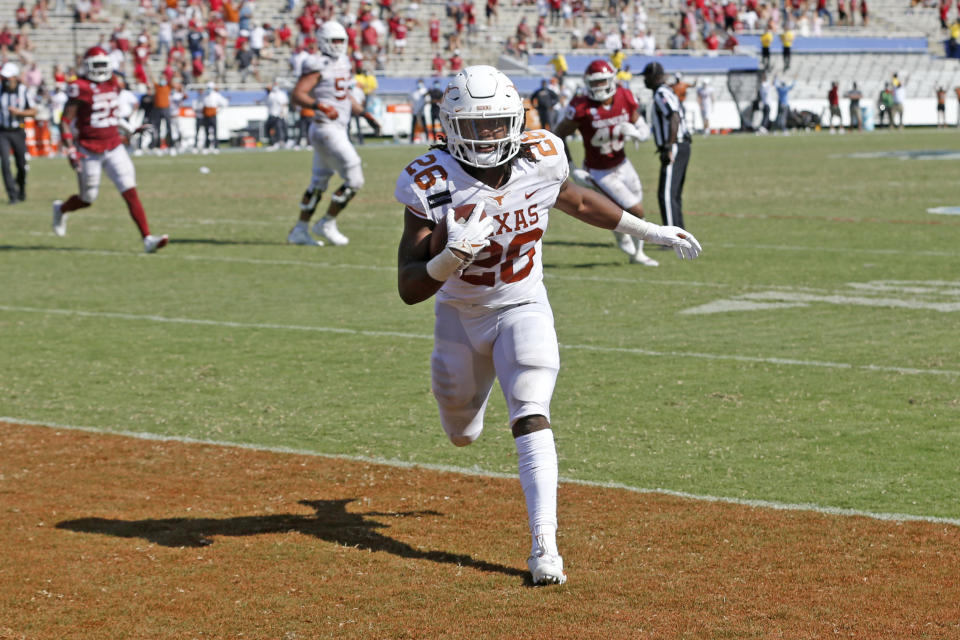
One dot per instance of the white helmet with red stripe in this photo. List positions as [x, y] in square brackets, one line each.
[599, 78]
[96, 65]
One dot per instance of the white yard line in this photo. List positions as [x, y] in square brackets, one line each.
[416, 336]
[402, 464]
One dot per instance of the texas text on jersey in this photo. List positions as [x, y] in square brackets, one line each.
[600, 124]
[96, 120]
[511, 268]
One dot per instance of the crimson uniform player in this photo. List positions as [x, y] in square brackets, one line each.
[605, 117]
[91, 115]
[493, 318]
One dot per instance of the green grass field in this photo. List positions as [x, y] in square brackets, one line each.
[812, 354]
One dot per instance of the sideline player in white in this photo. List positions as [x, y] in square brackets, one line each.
[324, 87]
[92, 144]
[493, 318]
[605, 117]
[705, 95]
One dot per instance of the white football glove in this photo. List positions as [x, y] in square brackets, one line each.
[580, 177]
[682, 241]
[639, 131]
[464, 241]
[471, 236]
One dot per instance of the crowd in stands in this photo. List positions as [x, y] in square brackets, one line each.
[176, 43]
[199, 40]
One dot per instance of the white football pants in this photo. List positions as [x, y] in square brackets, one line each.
[116, 162]
[621, 184]
[333, 153]
[517, 345]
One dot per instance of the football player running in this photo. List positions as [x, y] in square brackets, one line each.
[493, 319]
[605, 116]
[324, 87]
[92, 143]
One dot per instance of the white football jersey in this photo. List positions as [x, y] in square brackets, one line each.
[333, 87]
[510, 270]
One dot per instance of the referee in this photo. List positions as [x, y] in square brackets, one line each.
[14, 107]
[673, 144]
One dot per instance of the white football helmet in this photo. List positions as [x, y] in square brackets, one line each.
[332, 39]
[96, 65]
[482, 116]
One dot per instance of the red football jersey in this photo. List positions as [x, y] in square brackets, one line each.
[96, 123]
[599, 124]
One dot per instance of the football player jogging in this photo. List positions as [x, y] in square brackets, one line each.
[324, 87]
[493, 319]
[605, 117]
[92, 143]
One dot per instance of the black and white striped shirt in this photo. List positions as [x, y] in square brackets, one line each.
[665, 103]
[18, 99]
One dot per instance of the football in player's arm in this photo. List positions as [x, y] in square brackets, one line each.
[493, 318]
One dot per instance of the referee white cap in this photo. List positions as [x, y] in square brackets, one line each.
[10, 70]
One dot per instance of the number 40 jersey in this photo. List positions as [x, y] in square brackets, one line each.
[96, 122]
[510, 270]
[599, 125]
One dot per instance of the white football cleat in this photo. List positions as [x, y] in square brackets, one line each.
[546, 568]
[152, 243]
[300, 235]
[59, 219]
[641, 258]
[327, 227]
[625, 243]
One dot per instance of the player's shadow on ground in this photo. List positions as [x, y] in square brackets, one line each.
[331, 522]
[39, 247]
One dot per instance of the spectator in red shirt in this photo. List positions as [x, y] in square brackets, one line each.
[469, 16]
[542, 39]
[400, 38]
[370, 41]
[6, 39]
[456, 62]
[23, 16]
[523, 29]
[284, 35]
[731, 42]
[438, 64]
[823, 12]
[434, 29]
[833, 98]
[555, 6]
[712, 42]
[306, 22]
[491, 12]
[865, 13]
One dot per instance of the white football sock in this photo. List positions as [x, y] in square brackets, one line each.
[537, 463]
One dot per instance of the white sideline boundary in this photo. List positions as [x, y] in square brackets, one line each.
[402, 464]
[418, 336]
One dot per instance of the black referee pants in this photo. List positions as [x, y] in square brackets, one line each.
[15, 139]
[670, 189]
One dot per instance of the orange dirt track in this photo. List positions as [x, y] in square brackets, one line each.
[113, 537]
